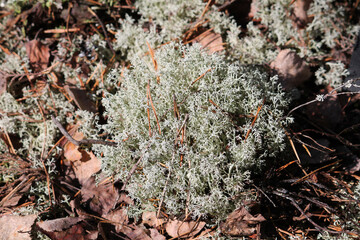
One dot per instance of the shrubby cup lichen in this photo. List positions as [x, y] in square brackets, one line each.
[190, 122]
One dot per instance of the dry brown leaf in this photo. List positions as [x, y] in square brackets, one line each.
[85, 164]
[238, 223]
[81, 98]
[136, 232]
[64, 228]
[16, 193]
[78, 14]
[118, 218]
[300, 12]
[292, 69]
[151, 219]
[59, 224]
[101, 197]
[180, 229]
[155, 235]
[71, 151]
[38, 54]
[16, 227]
[211, 41]
[124, 198]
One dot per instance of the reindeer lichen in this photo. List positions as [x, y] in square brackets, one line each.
[191, 123]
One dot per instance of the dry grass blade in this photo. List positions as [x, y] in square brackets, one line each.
[201, 76]
[254, 120]
[153, 60]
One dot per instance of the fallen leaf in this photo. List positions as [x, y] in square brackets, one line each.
[124, 198]
[16, 227]
[59, 224]
[136, 232]
[37, 12]
[239, 10]
[238, 223]
[354, 67]
[78, 14]
[85, 164]
[100, 197]
[63, 228]
[38, 54]
[81, 98]
[155, 235]
[13, 197]
[150, 219]
[211, 41]
[71, 151]
[118, 218]
[300, 12]
[292, 69]
[180, 229]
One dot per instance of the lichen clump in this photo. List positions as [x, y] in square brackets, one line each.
[190, 122]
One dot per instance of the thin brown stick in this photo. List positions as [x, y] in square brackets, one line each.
[295, 152]
[104, 30]
[20, 185]
[42, 155]
[134, 168]
[81, 142]
[205, 9]
[151, 51]
[148, 108]
[153, 107]
[310, 173]
[293, 202]
[254, 120]
[201, 76]
[164, 191]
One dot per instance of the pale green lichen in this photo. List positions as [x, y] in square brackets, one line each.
[217, 155]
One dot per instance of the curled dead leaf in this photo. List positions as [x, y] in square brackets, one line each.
[180, 229]
[239, 222]
[71, 151]
[38, 54]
